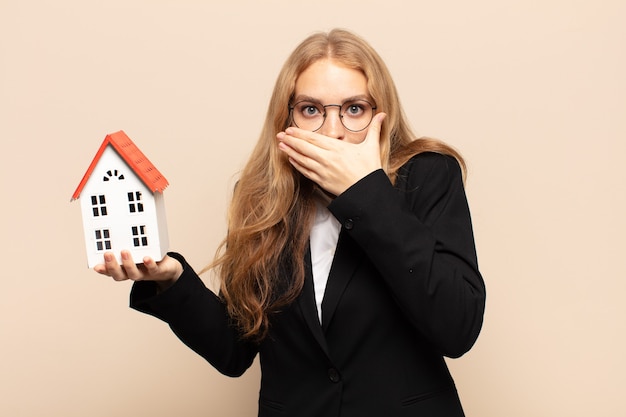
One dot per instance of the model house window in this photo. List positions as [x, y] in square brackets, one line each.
[139, 236]
[112, 174]
[103, 239]
[98, 205]
[134, 202]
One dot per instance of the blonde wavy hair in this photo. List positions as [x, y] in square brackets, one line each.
[260, 263]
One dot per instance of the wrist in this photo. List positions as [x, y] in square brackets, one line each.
[173, 274]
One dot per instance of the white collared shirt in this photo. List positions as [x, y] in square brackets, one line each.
[323, 239]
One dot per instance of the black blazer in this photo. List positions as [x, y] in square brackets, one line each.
[404, 291]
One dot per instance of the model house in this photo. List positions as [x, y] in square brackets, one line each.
[122, 203]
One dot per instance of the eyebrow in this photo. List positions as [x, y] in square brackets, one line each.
[302, 97]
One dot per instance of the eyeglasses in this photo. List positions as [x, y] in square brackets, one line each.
[355, 115]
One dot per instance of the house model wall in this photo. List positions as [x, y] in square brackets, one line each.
[122, 203]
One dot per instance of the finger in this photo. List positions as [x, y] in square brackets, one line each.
[299, 158]
[373, 132]
[112, 268]
[294, 146]
[304, 136]
[310, 144]
[129, 266]
[309, 173]
[152, 268]
[100, 269]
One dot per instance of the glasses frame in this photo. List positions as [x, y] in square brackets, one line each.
[292, 107]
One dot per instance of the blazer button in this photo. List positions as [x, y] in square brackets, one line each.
[333, 375]
[348, 224]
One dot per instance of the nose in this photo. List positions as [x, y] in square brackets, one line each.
[333, 127]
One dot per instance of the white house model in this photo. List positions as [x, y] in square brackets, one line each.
[122, 205]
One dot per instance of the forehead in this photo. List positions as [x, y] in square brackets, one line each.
[330, 81]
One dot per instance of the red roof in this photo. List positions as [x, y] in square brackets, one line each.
[135, 159]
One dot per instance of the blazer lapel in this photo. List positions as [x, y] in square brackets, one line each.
[307, 303]
[347, 258]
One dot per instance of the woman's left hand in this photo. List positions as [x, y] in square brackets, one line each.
[335, 165]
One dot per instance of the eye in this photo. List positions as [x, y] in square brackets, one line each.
[307, 109]
[355, 109]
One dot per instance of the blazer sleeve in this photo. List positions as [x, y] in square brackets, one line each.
[198, 317]
[419, 236]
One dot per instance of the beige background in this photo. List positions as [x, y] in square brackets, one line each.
[532, 92]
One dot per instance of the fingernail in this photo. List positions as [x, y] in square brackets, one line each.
[125, 255]
[108, 257]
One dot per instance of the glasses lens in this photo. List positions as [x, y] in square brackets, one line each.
[307, 115]
[356, 115]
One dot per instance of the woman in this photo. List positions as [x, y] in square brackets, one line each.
[349, 266]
